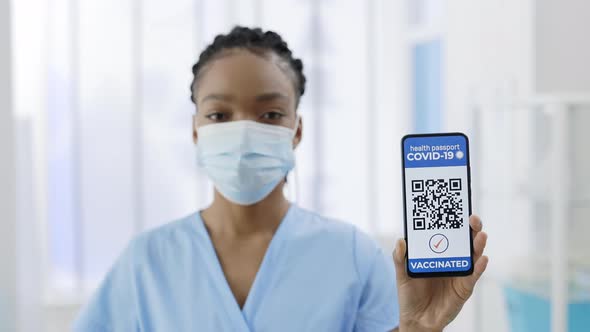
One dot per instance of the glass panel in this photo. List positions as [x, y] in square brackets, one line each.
[61, 201]
[425, 12]
[106, 87]
[170, 186]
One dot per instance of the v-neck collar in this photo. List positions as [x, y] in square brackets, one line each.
[241, 317]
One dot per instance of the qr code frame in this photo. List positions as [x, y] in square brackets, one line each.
[437, 204]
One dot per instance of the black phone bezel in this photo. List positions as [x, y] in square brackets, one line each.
[436, 274]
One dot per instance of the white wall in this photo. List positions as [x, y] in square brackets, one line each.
[562, 46]
[488, 52]
[7, 179]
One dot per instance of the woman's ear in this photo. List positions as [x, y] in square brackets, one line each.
[195, 129]
[298, 133]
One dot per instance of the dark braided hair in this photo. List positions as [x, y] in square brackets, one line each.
[256, 41]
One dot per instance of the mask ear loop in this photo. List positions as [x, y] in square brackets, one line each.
[296, 185]
[295, 171]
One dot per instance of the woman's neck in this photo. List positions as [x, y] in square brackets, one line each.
[225, 217]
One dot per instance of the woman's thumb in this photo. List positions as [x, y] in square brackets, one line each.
[399, 259]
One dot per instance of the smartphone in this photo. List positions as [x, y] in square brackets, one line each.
[436, 177]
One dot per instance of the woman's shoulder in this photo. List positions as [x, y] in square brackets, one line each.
[176, 227]
[313, 222]
[171, 236]
[336, 232]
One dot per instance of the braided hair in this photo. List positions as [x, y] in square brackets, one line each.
[256, 41]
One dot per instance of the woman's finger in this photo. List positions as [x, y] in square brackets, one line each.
[399, 259]
[467, 285]
[480, 266]
[475, 224]
[480, 263]
[479, 244]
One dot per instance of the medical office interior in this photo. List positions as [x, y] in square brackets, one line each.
[95, 136]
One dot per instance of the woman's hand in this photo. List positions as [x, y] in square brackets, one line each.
[430, 304]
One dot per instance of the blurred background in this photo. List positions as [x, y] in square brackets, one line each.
[95, 135]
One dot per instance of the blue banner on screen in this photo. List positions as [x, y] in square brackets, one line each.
[422, 265]
[435, 151]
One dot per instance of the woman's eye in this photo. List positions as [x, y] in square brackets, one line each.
[217, 116]
[272, 116]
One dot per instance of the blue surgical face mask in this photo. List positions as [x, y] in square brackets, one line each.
[245, 160]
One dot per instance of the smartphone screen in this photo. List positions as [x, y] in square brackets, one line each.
[437, 204]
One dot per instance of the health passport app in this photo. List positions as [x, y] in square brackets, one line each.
[437, 206]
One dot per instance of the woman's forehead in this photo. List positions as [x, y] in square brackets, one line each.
[242, 74]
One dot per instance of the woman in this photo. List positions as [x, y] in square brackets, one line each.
[253, 261]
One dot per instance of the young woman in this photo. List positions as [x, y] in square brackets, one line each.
[253, 261]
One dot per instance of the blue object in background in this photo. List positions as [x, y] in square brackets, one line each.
[530, 312]
[427, 88]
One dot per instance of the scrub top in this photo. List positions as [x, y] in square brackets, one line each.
[317, 275]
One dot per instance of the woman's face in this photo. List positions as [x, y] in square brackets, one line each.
[240, 85]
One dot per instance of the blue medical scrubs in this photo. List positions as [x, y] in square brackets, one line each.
[317, 275]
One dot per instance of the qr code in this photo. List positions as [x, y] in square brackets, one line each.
[437, 204]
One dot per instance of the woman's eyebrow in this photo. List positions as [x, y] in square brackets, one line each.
[217, 96]
[270, 96]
